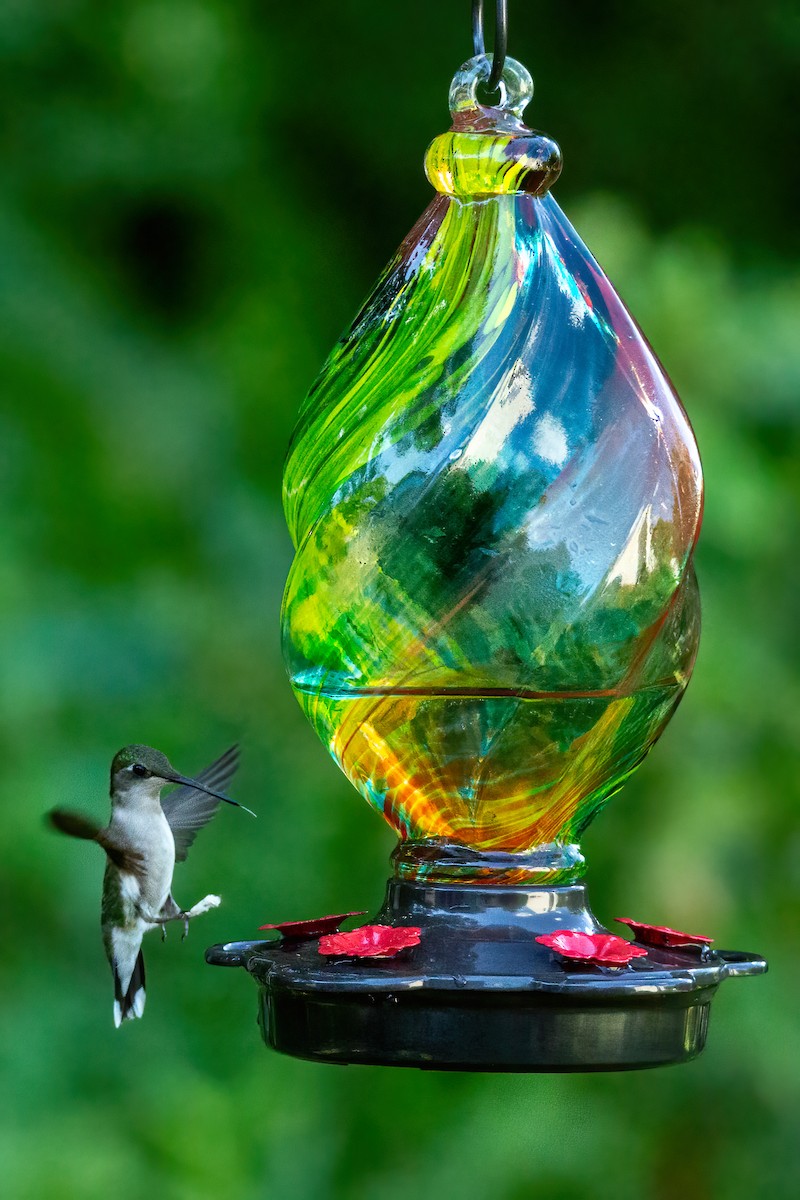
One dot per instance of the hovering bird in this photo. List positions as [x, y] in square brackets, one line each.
[144, 839]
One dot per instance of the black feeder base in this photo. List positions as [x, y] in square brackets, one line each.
[480, 994]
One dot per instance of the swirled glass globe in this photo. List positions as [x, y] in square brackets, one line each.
[494, 493]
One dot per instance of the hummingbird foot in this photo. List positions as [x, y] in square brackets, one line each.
[153, 918]
[203, 906]
[163, 932]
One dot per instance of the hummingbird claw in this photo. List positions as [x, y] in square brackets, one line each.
[185, 927]
[163, 932]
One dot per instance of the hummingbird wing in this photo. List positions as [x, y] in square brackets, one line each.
[79, 826]
[188, 810]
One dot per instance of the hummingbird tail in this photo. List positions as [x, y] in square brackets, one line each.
[129, 1002]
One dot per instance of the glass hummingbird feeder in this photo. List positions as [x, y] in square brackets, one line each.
[492, 614]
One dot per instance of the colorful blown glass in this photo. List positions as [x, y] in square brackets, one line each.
[494, 493]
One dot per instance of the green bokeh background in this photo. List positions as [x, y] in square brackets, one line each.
[195, 196]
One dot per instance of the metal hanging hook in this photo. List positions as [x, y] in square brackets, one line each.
[500, 38]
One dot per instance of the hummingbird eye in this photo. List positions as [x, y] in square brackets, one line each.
[138, 769]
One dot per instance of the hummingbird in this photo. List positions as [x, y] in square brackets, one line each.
[145, 837]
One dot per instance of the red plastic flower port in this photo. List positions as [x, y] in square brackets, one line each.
[661, 935]
[371, 941]
[313, 928]
[599, 949]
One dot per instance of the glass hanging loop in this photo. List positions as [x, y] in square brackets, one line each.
[515, 86]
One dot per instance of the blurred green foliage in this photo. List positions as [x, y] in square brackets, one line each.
[196, 194]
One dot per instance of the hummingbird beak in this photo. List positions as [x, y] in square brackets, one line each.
[198, 787]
